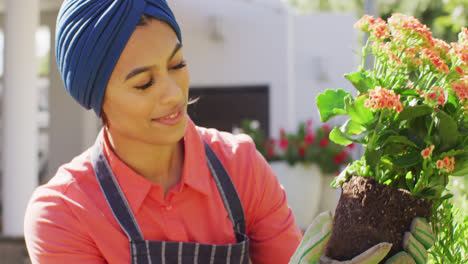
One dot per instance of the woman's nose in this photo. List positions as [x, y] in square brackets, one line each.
[172, 92]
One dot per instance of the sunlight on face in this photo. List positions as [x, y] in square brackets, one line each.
[146, 96]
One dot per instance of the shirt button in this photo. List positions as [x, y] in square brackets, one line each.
[168, 207]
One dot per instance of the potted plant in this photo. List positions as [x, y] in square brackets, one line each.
[302, 161]
[410, 113]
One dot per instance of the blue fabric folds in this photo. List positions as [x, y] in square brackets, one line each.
[91, 35]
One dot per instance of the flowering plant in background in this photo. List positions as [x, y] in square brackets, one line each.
[306, 146]
[410, 111]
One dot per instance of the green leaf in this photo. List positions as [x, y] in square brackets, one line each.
[352, 128]
[400, 140]
[372, 156]
[331, 103]
[361, 80]
[461, 169]
[409, 92]
[409, 180]
[448, 130]
[357, 111]
[339, 137]
[407, 160]
[412, 112]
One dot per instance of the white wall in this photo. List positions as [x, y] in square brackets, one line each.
[253, 49]
[325, 46]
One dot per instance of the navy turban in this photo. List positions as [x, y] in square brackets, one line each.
[91, 35]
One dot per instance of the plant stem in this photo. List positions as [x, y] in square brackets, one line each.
[365, 50]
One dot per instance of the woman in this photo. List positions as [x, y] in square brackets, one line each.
[154, 188]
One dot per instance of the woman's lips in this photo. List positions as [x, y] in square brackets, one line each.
[171, 119]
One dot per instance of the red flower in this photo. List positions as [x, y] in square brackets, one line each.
[324, 142]
[309, 139]
[339, 158]
[283, 143]
[270, 152]
[351, 146]
[326, 128]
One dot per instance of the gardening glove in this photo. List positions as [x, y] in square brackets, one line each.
[316, 237]
[415, 243]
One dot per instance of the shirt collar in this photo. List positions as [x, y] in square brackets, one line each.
[196, 173]
[135, 187]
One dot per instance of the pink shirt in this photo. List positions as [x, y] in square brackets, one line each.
[68, 219]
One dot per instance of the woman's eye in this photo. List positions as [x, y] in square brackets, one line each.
[179, 66]
[146, 85]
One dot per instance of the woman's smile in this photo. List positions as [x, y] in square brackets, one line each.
[171, 119]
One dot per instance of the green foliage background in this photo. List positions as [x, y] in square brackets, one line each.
[444, 17]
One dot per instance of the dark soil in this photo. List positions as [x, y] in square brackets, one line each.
[369, 213]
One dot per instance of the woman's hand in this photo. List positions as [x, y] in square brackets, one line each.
[416, 242]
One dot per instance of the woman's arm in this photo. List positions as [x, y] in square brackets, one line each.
[270, 223]
[54, 235]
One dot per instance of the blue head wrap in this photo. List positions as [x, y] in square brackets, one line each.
[91, 35]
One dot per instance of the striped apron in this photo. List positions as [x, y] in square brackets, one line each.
[169, 252]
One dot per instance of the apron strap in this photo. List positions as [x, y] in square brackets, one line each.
[227, 190]
[113, 193]
[122, 212]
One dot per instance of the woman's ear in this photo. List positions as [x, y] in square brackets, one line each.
[104, 120]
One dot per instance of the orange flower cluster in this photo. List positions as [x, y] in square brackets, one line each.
[404, 27]
[381, 98]
[441, 46]
[385, 49]
[461, 54]
[377, 28]
[436, 93]
[432, 55]
[463, 36]
[427, 151]
[447, 164]
[410, 57]
[461, 88]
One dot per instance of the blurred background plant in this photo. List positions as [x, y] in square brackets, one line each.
[307, 145]
[444, 17]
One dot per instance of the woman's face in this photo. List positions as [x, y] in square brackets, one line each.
[146, 97]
